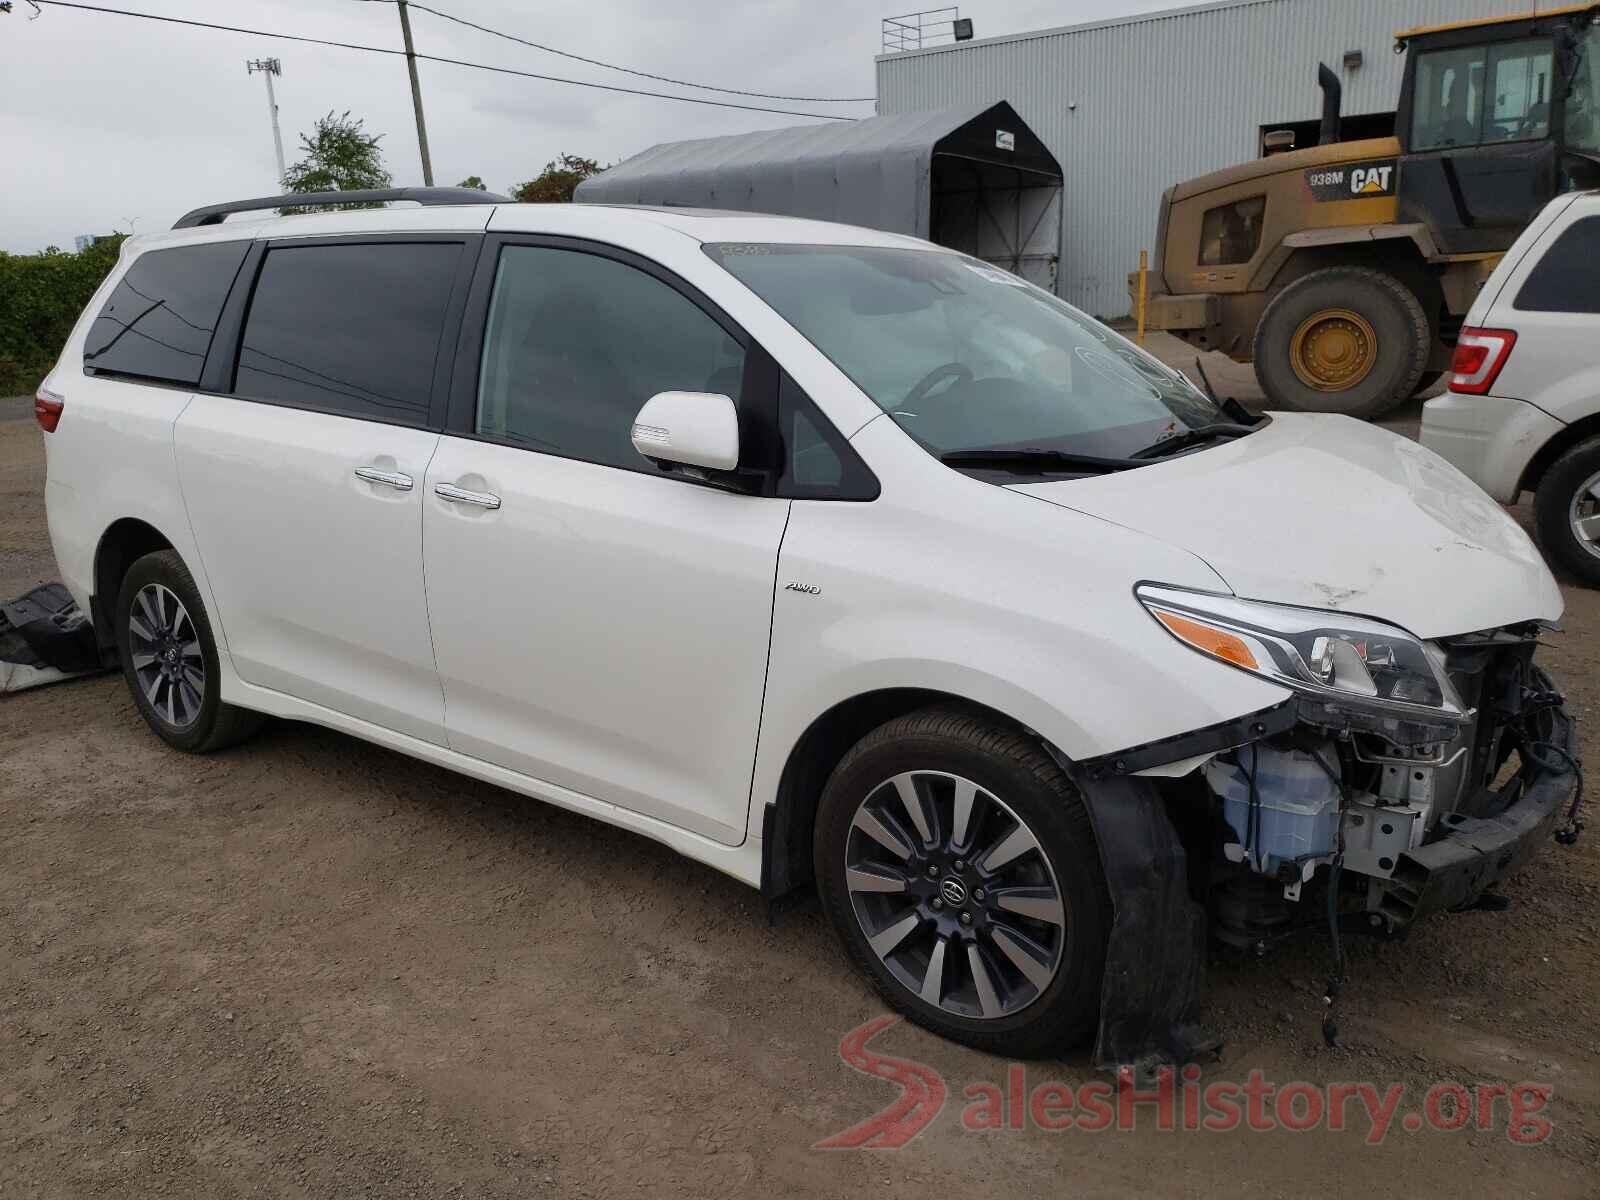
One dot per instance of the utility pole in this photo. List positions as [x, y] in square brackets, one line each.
[416, 93]
[270, 67]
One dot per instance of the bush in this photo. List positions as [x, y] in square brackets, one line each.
[556, 183]
[41, 296]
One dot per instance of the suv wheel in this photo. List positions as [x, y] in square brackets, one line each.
[1567, 511]
[958, 867]
[1342, 340]
[169, 658]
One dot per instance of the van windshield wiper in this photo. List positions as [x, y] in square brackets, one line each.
[1036, 458]
[1192, 437]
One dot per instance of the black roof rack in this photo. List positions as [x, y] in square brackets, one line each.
[213, 214]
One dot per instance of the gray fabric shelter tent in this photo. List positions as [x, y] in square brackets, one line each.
[973, 178]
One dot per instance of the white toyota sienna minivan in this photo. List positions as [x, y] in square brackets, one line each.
[832, 559]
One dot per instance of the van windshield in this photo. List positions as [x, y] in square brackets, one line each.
[966, 356]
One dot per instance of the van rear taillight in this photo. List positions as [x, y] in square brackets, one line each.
[47, 408]
[1480, 353]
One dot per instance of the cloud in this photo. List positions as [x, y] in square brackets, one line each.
[112, 120]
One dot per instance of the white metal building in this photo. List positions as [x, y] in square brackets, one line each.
[1131, 106]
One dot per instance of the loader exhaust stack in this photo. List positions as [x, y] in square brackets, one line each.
[1332, 95]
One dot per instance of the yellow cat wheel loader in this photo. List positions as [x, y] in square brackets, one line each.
[1344, 270]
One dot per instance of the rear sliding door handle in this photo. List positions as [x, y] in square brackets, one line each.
[449, 491]
[398, 480]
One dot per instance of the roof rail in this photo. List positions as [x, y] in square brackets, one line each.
[213, 214]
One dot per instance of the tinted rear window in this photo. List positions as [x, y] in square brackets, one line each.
[1566, 279]
[157, 324]
[349, 329]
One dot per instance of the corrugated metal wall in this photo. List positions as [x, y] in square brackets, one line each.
[1163, 98]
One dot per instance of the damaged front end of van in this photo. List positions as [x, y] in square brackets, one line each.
[1402, 778]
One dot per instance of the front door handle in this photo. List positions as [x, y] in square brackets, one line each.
[398, 480]
[449, 491]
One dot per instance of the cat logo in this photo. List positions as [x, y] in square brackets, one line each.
[1370, 180]
[1360, 180]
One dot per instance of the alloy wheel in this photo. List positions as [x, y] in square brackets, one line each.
[955, 895]
[1584, 514]
[167, 660]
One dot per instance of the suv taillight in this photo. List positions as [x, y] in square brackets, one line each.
[1480, 353]
[47, 408]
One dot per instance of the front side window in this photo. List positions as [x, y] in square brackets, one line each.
[351, 329]
[158, 321]
[577, 342]
[1565, 279]
[1481, 95]
[965, 356]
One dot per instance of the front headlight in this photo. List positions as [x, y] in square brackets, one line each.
[1347, 662]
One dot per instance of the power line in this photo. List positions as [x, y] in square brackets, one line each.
[457, 62]
[286, 37]
[628, 91]
[596, 62]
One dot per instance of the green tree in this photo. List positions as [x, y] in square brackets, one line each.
[556, 183]
[474, 181]
[340, 156]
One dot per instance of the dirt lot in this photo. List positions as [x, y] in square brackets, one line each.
[310, 967]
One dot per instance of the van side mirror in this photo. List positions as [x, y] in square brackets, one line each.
[692, 429]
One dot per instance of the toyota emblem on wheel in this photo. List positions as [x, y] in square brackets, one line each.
[953, 891]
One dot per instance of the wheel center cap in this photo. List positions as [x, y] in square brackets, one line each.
[953, 890]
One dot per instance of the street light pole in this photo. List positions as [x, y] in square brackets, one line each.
[270, 67]
[416, 93]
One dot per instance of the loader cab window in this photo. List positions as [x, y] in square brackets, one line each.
[1231, 233]
[1483, 95]
[1583, 101]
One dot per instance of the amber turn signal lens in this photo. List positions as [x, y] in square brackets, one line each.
[1226, 646]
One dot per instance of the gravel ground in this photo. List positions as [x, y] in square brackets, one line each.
[311, 967]
[14, 408]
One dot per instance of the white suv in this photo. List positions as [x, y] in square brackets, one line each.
[826, 557]
[1523, 410]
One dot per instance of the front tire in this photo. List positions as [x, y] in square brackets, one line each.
[957, 864]
[1566, 511]
[169, 658]
[1342, 340]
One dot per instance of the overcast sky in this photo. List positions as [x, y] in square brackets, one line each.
[116, 123]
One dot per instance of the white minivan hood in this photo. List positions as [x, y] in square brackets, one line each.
[1329, 512]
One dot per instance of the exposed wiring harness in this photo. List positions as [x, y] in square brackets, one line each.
[1330, 994]
[1534, 749]
[1252, 820]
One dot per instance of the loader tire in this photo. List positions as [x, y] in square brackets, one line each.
[1344, 340]
[1426, 383]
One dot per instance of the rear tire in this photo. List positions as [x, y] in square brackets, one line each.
[1342, 340]
[1425, 384]
[169, 658]
[997, 938]
[1566, 510]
